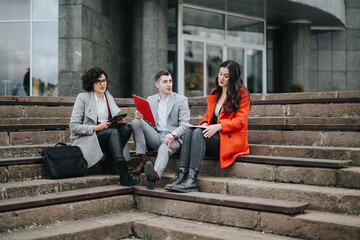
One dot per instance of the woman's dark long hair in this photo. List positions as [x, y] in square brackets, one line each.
[233, 94]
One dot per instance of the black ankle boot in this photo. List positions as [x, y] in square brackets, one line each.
[181, 175]
[190, 184]
[150, 175]
[125, 177]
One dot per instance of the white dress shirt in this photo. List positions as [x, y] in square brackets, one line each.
[161, 112]
[102, 108]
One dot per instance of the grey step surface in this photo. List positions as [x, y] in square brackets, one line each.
[317, 152]
[64, 212]
[63, 197]
[195, 120]
[346, 177]
[30, 188]
[128, 224]
[343, 178]
[310, 225]
[332, 199]
[257, 204]
[111, 226]
[270, 137]
[286, 127]
[305, 138]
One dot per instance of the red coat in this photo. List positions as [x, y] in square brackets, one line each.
[234, 133]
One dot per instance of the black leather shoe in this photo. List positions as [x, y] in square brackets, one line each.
[189, 185]
[138, 169]
[181, 176]
[150, 175]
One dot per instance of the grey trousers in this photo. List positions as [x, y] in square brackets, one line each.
[144, 135]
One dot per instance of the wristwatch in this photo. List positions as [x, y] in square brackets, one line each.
[173, 134]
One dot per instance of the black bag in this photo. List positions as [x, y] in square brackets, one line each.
[64, 161]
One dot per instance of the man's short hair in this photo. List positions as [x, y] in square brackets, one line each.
[161, 73]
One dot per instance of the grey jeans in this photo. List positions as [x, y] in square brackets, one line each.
[195, 146]
[144, 135]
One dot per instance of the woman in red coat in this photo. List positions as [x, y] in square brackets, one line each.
[223, 131]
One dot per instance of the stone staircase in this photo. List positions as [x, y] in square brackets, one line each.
[302, 179]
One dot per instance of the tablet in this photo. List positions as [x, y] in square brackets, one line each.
[116, 118]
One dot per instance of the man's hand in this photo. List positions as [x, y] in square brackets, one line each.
[169, 138]
[138, 115]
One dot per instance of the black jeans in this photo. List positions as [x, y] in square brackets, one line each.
[112, 140]
[195, 146]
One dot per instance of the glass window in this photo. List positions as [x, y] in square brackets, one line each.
[254, 70]
[214, 4]
[254, 8]
[213, 61]
[14, 58]
[15, 9]
[29, 60]
[193, 74]
[203, 23]
[245, 30]
[45, 9]
[44, 58]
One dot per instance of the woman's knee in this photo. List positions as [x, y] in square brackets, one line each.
[198, 132]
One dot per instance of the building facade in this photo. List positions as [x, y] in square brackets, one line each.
[282, 45]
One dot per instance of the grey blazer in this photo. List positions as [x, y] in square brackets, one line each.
[83, 119]
[177, 112]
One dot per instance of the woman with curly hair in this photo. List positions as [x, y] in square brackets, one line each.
[90, 126]
[222, 132]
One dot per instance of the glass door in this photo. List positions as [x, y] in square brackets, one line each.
[193, 68]
[214, 56]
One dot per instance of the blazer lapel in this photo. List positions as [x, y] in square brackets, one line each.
[170, 104]
[90, 110]
[110, 100]
[154, 105]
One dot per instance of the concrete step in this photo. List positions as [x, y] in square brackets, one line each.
[30, 188]
[306, 110]
[343, 178]
[338, 153]
[20, 121]
[310, 225]
[127, 224]
[36, 112]
[34, 137]
[321, 198]
[303, 120]
[110, 226]
[339, 110]
[179, 229]
[271, 137]
[305, 138]
[64, 212]
[194, 120]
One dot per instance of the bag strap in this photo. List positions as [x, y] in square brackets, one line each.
[60, 143]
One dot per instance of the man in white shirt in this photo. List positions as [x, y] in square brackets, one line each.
[171, 112]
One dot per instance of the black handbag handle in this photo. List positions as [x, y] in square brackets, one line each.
[60, 143]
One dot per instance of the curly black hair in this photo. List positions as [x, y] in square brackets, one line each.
[91, 76]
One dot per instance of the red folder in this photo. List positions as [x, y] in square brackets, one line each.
[143, 106]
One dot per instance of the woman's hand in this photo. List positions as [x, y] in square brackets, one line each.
[120, 121]
[211, 130]
[169, 139]
[138, 115]
[102, 126]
